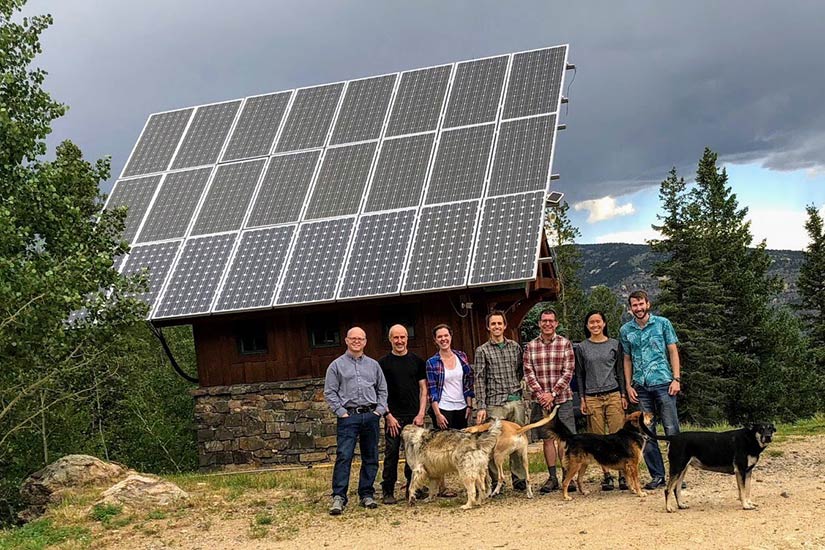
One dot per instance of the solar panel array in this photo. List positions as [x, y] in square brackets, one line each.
[426, 180]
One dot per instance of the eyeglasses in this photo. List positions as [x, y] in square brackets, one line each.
[356, 339]
[547, 321]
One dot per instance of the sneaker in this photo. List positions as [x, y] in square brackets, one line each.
[389, 498]
[369, 502]
[337, 507]
[552, 484]
[607, 483]
[655, 483]
[623, 484]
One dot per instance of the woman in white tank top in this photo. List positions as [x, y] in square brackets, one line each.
[450, 382]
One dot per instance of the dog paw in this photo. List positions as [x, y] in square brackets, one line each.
[642, 494]
[584, 493]
[670, 509]
[568, 497]
[466, 506]
[749, 506]
[683, 506]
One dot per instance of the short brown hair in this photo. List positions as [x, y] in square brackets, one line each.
[549, 311]
[495, 313]
[638, 295]
[442, 325]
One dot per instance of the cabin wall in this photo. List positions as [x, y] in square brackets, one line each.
[268, 408]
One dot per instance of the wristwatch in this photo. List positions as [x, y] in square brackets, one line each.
[554, 394]
[678, 379]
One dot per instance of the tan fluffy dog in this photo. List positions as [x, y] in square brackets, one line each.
[434, 454]
[513, 439]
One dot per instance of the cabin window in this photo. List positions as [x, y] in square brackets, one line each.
[324, 331]
[251, 338]
[399, 315]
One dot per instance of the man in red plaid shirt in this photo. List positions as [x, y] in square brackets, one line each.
[549, 364]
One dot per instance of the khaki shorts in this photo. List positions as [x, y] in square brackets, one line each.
[565, 416]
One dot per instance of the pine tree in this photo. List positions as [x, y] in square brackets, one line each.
[601, 298]
[562, 235]
[812, 285]
[717, 293]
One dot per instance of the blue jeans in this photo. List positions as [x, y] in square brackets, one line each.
[655, 399]
[364, 428]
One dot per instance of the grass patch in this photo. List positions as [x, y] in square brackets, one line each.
[156, 514]
[104, 513]
[42, 533]
[775, 452]
[264, 519]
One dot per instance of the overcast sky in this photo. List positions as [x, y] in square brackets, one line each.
[656, 82]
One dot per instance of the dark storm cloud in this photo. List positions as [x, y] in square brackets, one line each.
[656, 82]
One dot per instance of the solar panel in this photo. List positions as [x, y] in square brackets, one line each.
[341, 181]
[460, 164]
[523, 152]
[257, 126]
[363, 110]
[156, 259]
[400, 172]
[228, 197]
[510, 228]
[283, 189]
[136, 194]
[411, 182]
[476, 92]
[157, 143]
[206, 135]
[309, 118]
[442, 247]
[377, 258]
[535, 82]
[419, 100]
[315, 262]
[195, 278]
[253, 274]
[173, 208]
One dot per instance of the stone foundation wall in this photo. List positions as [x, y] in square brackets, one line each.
[272, 423]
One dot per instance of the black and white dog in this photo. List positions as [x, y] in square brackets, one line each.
[732, 452]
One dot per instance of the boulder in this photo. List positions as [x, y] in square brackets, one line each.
[142, 491]
[47, 486]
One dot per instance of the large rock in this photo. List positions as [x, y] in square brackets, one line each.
[140, 491]
[48, 485]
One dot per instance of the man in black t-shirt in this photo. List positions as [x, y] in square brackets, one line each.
[407, 388]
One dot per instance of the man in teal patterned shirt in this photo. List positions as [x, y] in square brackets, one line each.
[652, 374]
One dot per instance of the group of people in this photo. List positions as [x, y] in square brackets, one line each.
[641, 367]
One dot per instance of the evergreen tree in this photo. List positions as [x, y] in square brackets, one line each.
[716, 291]
[561, 237]
[812, 286]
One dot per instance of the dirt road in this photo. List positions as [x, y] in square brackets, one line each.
[789, 488]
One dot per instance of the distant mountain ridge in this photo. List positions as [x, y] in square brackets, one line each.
[626, 267]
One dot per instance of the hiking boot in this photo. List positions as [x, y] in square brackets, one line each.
[623, 483]
[337, 507]
[389, 498]
[607, 482]
[655, 483]
[369, 502]
[552, 484]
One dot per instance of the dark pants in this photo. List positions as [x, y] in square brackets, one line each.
[364, 428]
[656, 400]
[456, 420]
[392, 446]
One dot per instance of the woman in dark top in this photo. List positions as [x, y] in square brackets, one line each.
[600, 376]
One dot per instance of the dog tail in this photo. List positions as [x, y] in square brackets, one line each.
[648, 432]
[540, 423]
[487, 440]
